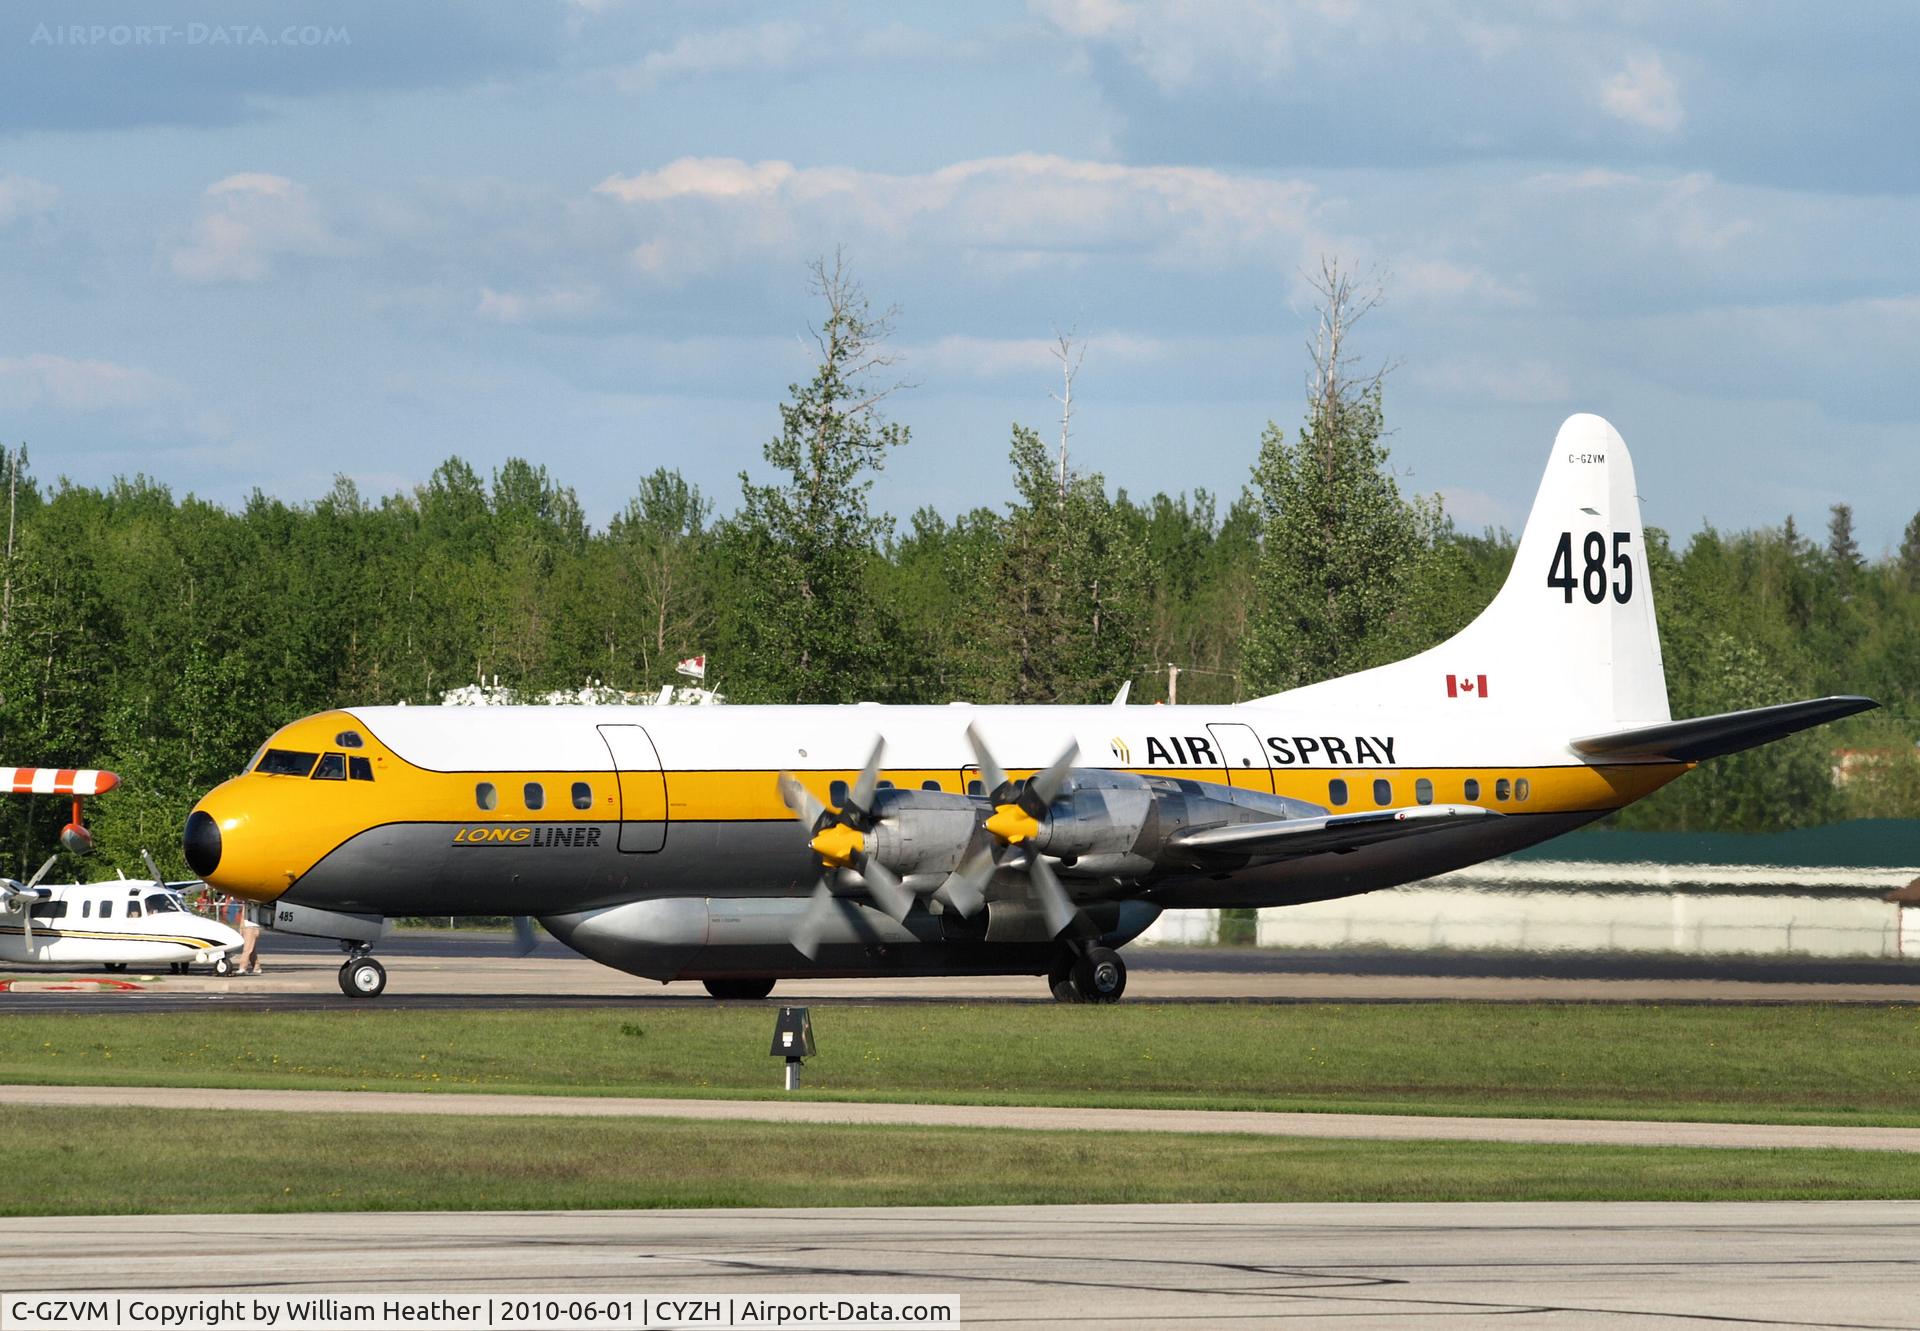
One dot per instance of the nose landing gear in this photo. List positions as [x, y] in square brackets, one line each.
[361, 976]
[1089, 974]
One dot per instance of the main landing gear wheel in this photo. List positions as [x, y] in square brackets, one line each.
[747, 989]
[362, 977]
[223, 967]
[1100, 976]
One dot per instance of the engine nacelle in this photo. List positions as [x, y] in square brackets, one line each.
[1117, 823]
[924, 831]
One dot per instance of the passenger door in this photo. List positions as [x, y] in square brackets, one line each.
[1243, 755]
[643, 788]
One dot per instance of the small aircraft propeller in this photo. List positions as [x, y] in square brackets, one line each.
[1018, 808]
[27, 894]
[839, 838]
[159, 879]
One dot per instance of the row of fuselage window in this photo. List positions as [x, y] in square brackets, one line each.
[533, 794]
[157, 904]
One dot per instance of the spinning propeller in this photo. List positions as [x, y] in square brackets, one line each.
[1018, 808]
[849, 851]
[26, 895]
[840, 840]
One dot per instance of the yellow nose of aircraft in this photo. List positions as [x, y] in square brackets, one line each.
[227, 845]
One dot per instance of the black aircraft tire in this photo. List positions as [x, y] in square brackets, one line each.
[1100, 976]
[749, 990]
[1064, 992]
[223, 966]
[363, 977]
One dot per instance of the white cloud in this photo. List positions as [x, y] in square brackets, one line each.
[80, 385]
[509, 307]
[1001, 213]
[1185, 42]
[961, 356]
[247, 221]
[23, 196]
[1522, 380]
[764, 46]
[1644, 93]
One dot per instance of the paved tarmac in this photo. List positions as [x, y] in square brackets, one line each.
[1556, 1266]
[1367, 1127]
[478, 971]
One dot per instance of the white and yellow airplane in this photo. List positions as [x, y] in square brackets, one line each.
[664, 842]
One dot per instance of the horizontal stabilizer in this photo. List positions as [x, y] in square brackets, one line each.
[1713, 736]
[1336, 832]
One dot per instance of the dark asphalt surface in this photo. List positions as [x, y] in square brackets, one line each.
[1902, 978]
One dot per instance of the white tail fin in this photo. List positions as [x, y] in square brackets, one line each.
[1571, 636]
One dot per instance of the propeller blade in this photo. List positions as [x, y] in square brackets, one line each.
[806, 807]
[524, 941]
[884, 885]
[991, 772]
[1054, 902]
[860, 800]
[806, 935]
[41, 872]
[1044, 789]
[965, 888]
[159, 880]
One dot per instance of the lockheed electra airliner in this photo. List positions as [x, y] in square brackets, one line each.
[742, 845]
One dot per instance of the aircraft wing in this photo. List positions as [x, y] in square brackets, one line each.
[1338, 832]
[1713, 736]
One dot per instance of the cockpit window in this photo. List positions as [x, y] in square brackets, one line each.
[350, 739]
[360, 769]
[333, 767]
[133, 910]
[286, 762]
[161, 903]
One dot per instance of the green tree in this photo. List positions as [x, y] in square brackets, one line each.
[809, 628]
[1340, 546]
[1064, 610]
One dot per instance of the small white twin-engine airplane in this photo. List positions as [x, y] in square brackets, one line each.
[116, 924]
[983, 840]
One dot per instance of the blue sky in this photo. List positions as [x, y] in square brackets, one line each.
[256, 256]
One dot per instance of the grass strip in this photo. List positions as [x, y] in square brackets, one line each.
[361, 1162]
[1838, 1063]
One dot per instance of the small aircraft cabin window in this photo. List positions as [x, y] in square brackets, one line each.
[931, 785]
[976, 787]
[350, 739]
[1382, 791]
[1336, 792]
[535, 795]
[133, 910]
[837, 794]
[582, 795]
[1503, 790]
[883, 785]
[1473, 788]
[49, 910]
[1522, 788]
[106, 910]
[360, 769]
[286, 762]
[86, 909]
[333, 767]
[1423, 791]
[486, 796]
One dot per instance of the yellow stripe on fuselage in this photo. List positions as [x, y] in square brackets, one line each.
[276, 828]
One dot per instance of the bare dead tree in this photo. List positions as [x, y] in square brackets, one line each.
[1344, 301]
[1069, 354]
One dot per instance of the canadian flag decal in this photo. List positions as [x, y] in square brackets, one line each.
[1466, 686]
